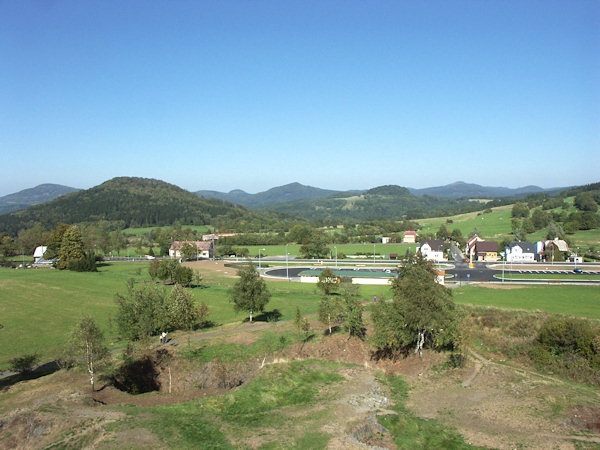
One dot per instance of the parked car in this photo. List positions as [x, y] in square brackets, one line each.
[577, 270]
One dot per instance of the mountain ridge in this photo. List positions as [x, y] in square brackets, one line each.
[33, 196]
[131, 201]
[279, 194]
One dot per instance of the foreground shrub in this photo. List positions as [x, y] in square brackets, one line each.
[570, 348]
[25, 363]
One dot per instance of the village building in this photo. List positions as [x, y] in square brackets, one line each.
[470, 246]
[204, 249]
[38, 253]
[483, 251]
[555, 250]
[521, 252]
[410, 237]
[432, 249]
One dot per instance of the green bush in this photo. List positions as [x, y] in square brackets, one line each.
[25, 363]
[560, 336]
[85, 264]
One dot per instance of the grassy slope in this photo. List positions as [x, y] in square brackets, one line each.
[38, 308]
[144, 230]
[580, 301]
[496, 223]
[346, 249]
[277, 410]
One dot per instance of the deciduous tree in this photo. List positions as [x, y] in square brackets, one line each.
[331, 311]
[315, 246]
[71, 247]
[87, 346]
[250, 292]
[327, 281]
[422, 312]
[183, 312]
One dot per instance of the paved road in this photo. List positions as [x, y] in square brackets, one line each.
[462, 273]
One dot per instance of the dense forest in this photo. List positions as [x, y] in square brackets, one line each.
[384, 202]
[137, 202]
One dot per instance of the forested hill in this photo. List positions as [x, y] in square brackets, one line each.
[32, 196]
[280, 194]
[132, 202]
[384, 202]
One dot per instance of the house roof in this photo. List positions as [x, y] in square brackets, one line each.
[559, 243]
[527, 247]
[410, 233]
[437, 245]
[39, 251]
[486, 246]
[200, 245]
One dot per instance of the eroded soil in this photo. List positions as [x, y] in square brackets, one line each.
[488, 402]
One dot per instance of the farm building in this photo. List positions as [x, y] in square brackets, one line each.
[205, 249]
[410, 237]
[39, 253]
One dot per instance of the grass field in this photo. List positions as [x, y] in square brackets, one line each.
[38, 308]
[548, 276]
[496, 223]
[144, 230]
[343, 249]
[582, 301]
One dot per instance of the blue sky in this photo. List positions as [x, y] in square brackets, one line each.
[334, 94]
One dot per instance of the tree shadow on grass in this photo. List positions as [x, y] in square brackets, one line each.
[208, 325]
[40, 371]
[334, 330]
[266, 316]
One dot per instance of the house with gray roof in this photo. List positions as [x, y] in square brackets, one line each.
[521, 252]
[432, 249]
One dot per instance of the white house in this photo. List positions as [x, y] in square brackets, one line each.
[39, 253]
[204, 249]
[432, 249]
[520, 252]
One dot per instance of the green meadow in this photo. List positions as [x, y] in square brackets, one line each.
[494, 224]
[39, 307]
[143, 230]
[342, 249]
[581, 301]
[549, 276]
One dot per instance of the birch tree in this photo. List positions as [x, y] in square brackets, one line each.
[250, 292]
[87, 346]
[421, 313]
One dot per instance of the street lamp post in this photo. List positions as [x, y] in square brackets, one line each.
[336, 260]
[259, 250]
[373, 254]
[287, 270]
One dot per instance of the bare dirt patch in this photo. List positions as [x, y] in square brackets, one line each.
[502, 407]
[507, 287]
[489, 403]
[212, 268]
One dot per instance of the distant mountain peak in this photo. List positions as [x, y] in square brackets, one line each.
[279, 194]
[42, 193]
